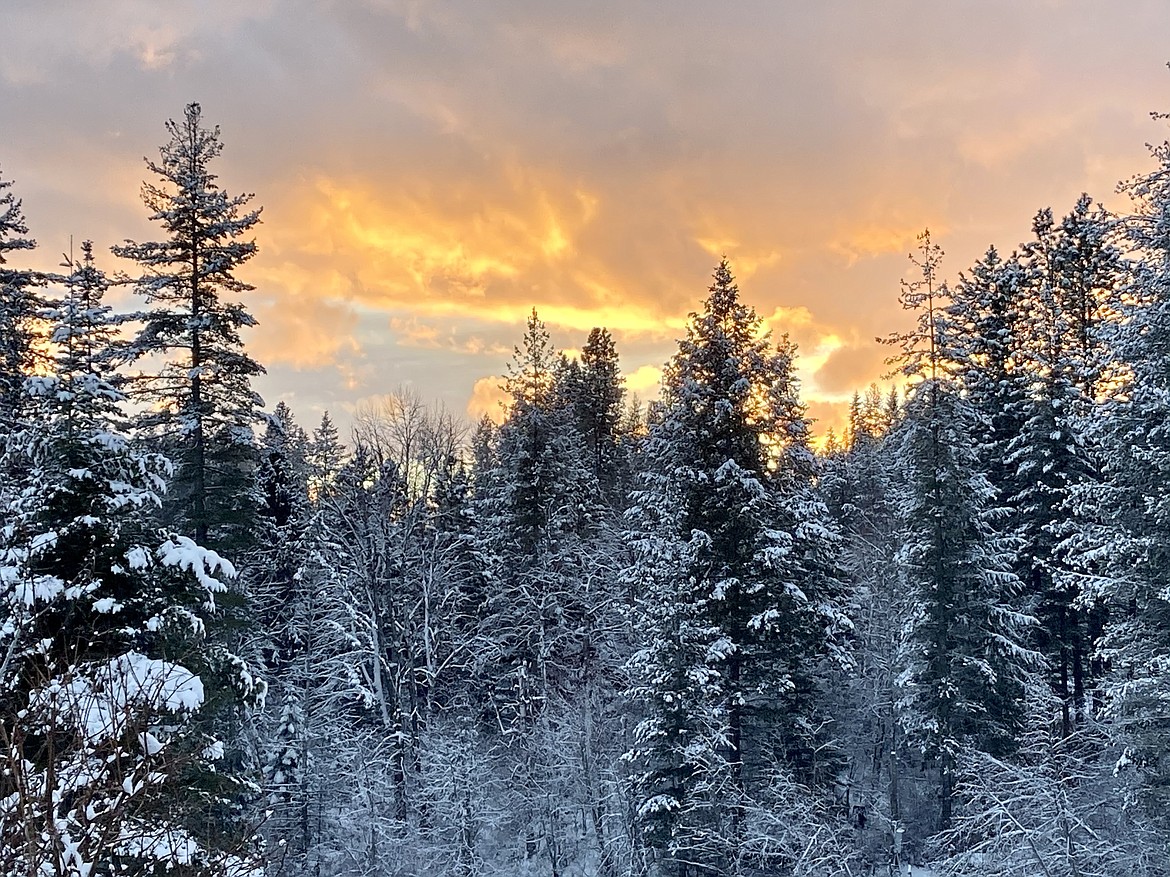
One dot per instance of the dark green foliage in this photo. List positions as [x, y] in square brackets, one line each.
[963, 654]
[204, 407]
[19, 303]
[739, 591]
[108, 662]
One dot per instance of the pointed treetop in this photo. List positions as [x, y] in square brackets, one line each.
[599, 347]
[530, 374]
[724, 292]
[282, 418]
[191, 146]
[12, 223]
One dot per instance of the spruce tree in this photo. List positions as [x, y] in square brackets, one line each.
[1124, 521]
[325, 458]
[963, 657]
[987, 338]
[734, 562]
[550, 620]
[1072, 285]
[282, 519]
[203, 407]
[538, 511]
[108, 668]
[19, 304]
[597, 398]
[860, 488]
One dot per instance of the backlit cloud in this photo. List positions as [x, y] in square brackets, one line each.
[644, 381]
[430, 171]
[487, 399]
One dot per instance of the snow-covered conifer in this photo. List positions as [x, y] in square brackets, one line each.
[108, 666]
[19, 304]
[203, 406]
[1072, 277]
[963, 660]
[1123, 523]
[739, 595]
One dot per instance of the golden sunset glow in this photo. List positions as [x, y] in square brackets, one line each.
[430, 171]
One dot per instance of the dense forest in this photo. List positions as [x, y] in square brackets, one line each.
[596, 638]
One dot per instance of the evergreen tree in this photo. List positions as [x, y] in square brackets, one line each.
[1123, 523]
[19, 305]
[739, 590]
[860, 488]
[538, 509]
[281, 603]
[550, 625]
[203, 405]
[964, 663]
[325, 458]
[455, 544]
[283, 517]
[987, 337]
[107, 665]
[597, 397]
[306, 612]
[1072, 272]
[536, 512]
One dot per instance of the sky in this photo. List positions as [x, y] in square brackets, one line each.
[431, 171]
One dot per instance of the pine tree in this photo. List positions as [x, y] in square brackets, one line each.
[107, 665]
[1072, 289]
[202, 398]
[597, 396]
[987, 336]
[282, 520]
[1124, 521]
[860, 488]
[325, 457]
[19, 305]
[964, 663]
[459, 567]
[538, 509]
[314, 627]
[281, 601]
[735, 565]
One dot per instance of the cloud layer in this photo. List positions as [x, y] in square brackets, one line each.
[431, 170]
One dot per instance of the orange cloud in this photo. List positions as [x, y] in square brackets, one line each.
[298, 328]
[414, 331]
[311, 336]
[488, 399]
[850, 366]
[644, 381]
[438, 253]
[455, 238]
[635, 318]
[816, 341]
[430, 171]
[827, 415]
[747, 262]
[871, 239]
